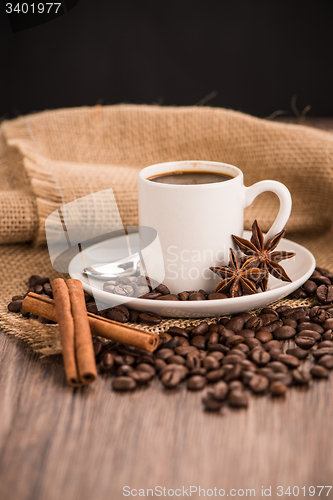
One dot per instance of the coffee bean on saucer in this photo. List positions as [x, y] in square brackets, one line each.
[196, 296]
[168, 297]
[216, 296]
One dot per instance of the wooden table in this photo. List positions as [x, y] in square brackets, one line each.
[88, 444]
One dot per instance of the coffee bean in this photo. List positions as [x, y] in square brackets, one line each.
[170, 296]
[183, 295]
[284, 333]
[163, 289]
[326, 361]
[277, 366]
[232, 358]
[124, 359]
[238, 351]
[286, 378]
[328, 335]
[211, 363]
[247, 333]
[259, 383]
[123, 384]
[118, 313]
[215, 375]
[217, 347]
[318, 371]
[217, 296]
[15, 306]
[255, 322]
[180, 332]
[141, 377]
[164, 354]
[234, 373]
[201, 329]
[317, 314]
[150, 318]
[309, 333]
[304, 342]
[235, 324]
[193, 361]
[251, 343]
[282, 309]
[172, 378]
[295, 314]
[264, 336]
[300, 377]
[146, 367]
[290, 322]
[328, 324]
[185, 350]
[321, 352]
[310, 287]
[199, 341]
[260, 357]
[321, 280]
[298, 353]
[213, 337]
[160, 364]
[178, 360]
[172, 343]
[324, 294]
[278, 389]
[273, 344]
[238, 399]
[211, 404]
[289, 360]
[234, 340]
[325, 343]
[196, 296]
[196, 383]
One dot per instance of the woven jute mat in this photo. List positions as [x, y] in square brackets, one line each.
[51, 158]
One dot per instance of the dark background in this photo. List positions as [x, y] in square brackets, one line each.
[255, 56]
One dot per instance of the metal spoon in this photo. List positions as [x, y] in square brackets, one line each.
[111, 270]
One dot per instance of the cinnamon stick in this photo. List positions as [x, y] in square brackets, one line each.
[62, 305]
[103, 327]
[84, 349]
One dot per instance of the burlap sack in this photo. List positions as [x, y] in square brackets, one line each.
[51, 158]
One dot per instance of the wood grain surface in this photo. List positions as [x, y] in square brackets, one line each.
[59, 443]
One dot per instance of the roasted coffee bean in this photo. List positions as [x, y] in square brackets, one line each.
[290, 322]
[150, 295]
[242, 347]
[252, 343]
[199, 341]
[196, 296]
[211, 363]
[227, 334]
[325, 343]
[196, 383]
[269, 310]
[211, 404]
[217, 347]
[118, 313]
[234, 373]
[284, 333]
[255, 322]
[217, 296]
[15, 306]
[245, 315]
[321, 352]
[246, 364]
[298, 294]
[220, 390]
[215, 375]
[300, 377]
[178, 360]
[150, 318]
[180, 332]
[297, 352]
[107, 362]
[295, 314]
[236, 385]
[278, 389]
[172, 378]
[141, 377]
[272, 344]
[264, 336]
[193, 361]
[328, 324]
[328, 335]
[217, 355]
[324, 294]
[92, 308]
[160, 364]
[305, 319]
[289, 360]
[318, 371]
[259, 383]
[172, 343]
[310, 287]
[146, 367]
[326, 361]
[185, 350]
[321, 280]
[123, 384]
[277, 366]
[198, 371]
[314, 327]
[183, 295]
[246, 376]
[273, 326]
[268, 319]
[317, 314]
[201, 329]
[163, 289]
[304, 342]
[238, 399]
[234, 340]
[247, 333]
[236, 324]
[170, 296]
[282, 309]
[134, 316]
[286, 378]
[164, 354]
[239, 352]
[48, 289]
[37, 280]
[260, 357]
[124, 359]
[310, 334]
[213, 338]
[232, 359]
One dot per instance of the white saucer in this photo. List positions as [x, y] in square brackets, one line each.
[298, 268]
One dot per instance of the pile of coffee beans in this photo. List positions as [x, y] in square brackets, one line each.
[246, 353]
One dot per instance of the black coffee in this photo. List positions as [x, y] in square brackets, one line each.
[190, 178]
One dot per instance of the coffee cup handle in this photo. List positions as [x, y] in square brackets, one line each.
[285, 203]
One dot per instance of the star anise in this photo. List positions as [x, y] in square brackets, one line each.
[261, 254]
[237, 278]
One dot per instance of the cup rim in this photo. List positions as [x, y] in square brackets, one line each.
[171, 166]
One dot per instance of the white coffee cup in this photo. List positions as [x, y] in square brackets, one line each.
[195, 222]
